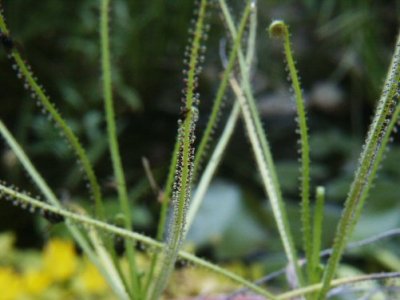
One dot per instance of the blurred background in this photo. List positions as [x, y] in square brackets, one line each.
[343, 49]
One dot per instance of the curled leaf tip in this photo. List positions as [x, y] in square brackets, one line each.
[278, 29]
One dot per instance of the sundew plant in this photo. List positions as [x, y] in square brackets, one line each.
[195, 159]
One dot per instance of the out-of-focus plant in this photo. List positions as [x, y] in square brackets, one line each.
[91, 230]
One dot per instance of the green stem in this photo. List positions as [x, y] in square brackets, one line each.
[113, 142]
[45, 189]
[317, 235]
[89, 222]
[263, 154]
[100, 261]
[335, 283]
[204, 140]
[223, 141]
[184, 168]
[212, 165]
[278, 29]
[167, 192]
[67, 131]
[370, 159]
[220, 93]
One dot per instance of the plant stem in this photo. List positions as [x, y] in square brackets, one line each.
[337, 282]
[89, 222]
[368, 164]
[113, 143]
[221, 92]
[45, 189]
[212, 165]
[263, 154]
[313, 264]
[66, 130]
[278, 29]
[184, 168]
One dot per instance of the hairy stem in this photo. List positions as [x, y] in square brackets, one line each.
[261, 149]
[89, 222]
[113, 142]
[278, 29]
[184, 168]
[73, 140]
[313, 263]
[369, 161]
[212, 165]
[221, 92]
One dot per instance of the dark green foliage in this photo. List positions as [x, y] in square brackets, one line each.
[147, 46]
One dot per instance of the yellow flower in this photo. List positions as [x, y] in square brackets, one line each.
[60, 260]
[10, 284]
[36, 282]
[92, 280]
